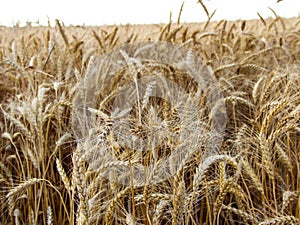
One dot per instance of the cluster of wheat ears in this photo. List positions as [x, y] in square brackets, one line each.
[50, 176]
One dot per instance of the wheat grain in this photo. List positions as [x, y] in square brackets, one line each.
[255, 179]
[49, 216]
[283, 220]
[246, 102]
[17, 123]
[179, 14]
[288, 198]
[63, 139]
[257, 88]
[271, 114]
[222, 34]
[17, 214]
[129, 219]
[159, 212]
[62, 32]
[241, 213]
[262, 19]
[63, 174]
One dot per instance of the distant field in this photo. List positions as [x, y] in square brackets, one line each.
[58, 115]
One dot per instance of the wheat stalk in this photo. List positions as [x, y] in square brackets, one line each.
[178, 203]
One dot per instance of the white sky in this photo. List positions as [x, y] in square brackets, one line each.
[98, 12]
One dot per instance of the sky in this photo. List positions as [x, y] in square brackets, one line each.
[99, 12]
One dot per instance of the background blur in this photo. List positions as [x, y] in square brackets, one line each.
[99, 12]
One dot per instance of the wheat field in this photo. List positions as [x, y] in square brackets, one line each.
[49, 170]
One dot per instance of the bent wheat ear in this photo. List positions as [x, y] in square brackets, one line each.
[241, 213]
[15, 192]
[253, 176]
[160, 211]
[207, 163]
[62, 140]
[291, 220]
[288, 198]
[257, 89]
[17, 123]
